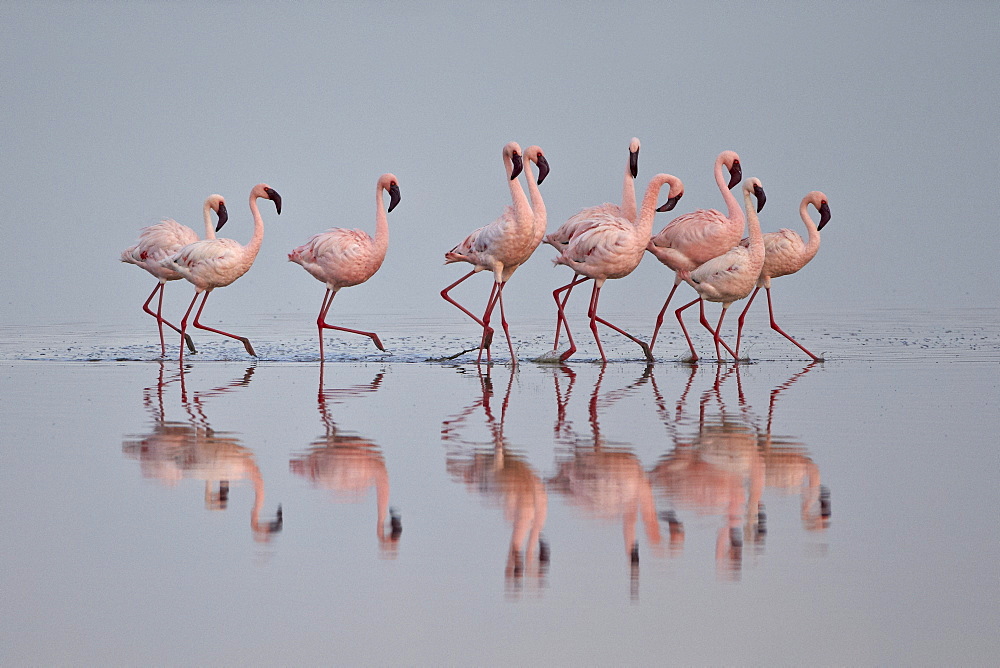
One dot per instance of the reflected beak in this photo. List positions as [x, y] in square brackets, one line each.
[735, 174]
[633, 163]
[393, 196]
[274, 197]
[543, 168]
[518, 166]
[761, 197]
[670, 203]
[223, 216]
[824, 215]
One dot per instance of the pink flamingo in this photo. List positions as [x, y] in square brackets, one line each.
[731, 276]
[501, 246]
[342, 258]
[589, 217]
[215, 263]
[690, 240]
[785, 253]
[613, 248]
[162, 240]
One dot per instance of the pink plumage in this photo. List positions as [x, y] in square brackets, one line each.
[342, 258]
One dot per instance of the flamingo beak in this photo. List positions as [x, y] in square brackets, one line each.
[735, 174]
[824, 215]
[670, 203]
[393, 196]
[273, 195]
[543, 168]
[223, 216]
[758, 192]
[633, 163]
[518, 166]
[279, 521]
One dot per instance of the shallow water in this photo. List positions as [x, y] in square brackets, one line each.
[436, 512]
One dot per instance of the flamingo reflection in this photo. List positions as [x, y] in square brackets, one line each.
[172, 451]
[349, 465]
[607, 482]
[502, 475]
[724, 469]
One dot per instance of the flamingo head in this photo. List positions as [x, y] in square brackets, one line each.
[512, 152]
[217, 203]
[267, 192]
[537, 156]
[732, 163]
[633, 157]
[675, 194]
[391, 183]
[818, 200]
[753, 186]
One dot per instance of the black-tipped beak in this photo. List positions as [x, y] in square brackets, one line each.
[279, 521]
[393, 196]
[274, 197]
[223, 216]
[633, 163]
[670, 203]
[735, 174]
[543, 168]
[758, 192]
[824, 215]
[518, 166]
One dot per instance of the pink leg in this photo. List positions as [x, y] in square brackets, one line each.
[775, 327]
[561, 316]
[594, 319]
[447, 298]
[561, 309]
[160, 320]
[659, 318]
[243, 339]
[506, 330]
[487, 340]
[743, 316]
[322, 324]
[715, 333]
[694, 355]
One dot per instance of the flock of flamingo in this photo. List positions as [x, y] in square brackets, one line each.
[705, 248]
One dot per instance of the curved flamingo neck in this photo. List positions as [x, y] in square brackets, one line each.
[522, 210]
[644, 222]
[209, 227]
[756, 238]
[537, 204]
[812, 245]
[253, 247]
[381, 221]
[628, 206]
[733, 210]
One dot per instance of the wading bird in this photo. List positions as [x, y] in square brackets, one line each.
[215, 263]
[160, 241]
[341, 258]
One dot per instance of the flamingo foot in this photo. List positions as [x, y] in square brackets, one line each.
[551, 357]
[246, 344]
[647, 351]
[190, 343]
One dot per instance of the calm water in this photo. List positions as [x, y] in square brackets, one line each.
[432, 512]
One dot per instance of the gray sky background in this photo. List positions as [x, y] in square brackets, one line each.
[119, 114]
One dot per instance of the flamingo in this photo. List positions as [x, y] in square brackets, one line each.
[785, 253]
[612, 248]
[500, 246]
[588, 217]
[690, 240]
[162, 240]
[215, 263]
[342, 258]
[731, 276]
